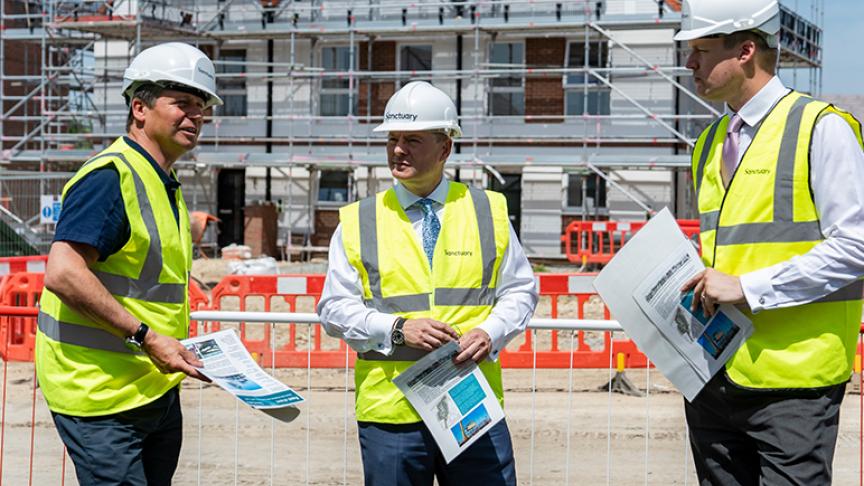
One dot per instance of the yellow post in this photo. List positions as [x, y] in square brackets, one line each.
[620, 367]
[857, 363]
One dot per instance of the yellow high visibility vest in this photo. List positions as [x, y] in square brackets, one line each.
[83, 369]
[766, 216]
[459, 289]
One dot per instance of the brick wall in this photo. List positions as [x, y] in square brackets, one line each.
[544, 94]
[383, 59]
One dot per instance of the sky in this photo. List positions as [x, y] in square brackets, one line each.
[843, 45]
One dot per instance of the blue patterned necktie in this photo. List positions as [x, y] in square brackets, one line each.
[431, 227]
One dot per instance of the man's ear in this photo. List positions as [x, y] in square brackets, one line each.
[747, 51]
[446, 149]
[138, 108]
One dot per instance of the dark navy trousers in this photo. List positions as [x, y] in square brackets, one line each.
[139, 447]
[406, 455]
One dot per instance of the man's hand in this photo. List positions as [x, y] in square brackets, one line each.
[170, 356]
[427, 334]
[711, 288]
[474, 345]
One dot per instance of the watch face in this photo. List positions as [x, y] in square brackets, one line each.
[132, 344]
[397, 337]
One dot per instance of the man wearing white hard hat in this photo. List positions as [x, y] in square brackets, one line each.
[423, 263]
[781, 209]
[108, 356]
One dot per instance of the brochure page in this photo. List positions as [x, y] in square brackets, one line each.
[455, 401]
[231, 367]
[641, 286]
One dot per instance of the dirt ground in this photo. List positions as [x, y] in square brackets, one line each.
[564, 430]
[583, 437]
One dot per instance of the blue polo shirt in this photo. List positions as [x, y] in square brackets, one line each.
[93, 212]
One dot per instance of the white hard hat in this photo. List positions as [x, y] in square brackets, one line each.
[419, 106]
[172, 63]
[705, 18]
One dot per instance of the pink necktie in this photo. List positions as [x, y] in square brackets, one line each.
[730, 148]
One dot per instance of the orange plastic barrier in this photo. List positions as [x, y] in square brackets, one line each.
[19, 294]
[260, 292]
[279, 293]
[18, 333]
[596, 242]
[32, 264]
[564, 291]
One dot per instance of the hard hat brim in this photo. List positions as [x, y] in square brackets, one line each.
[455, 132]
[212, 98]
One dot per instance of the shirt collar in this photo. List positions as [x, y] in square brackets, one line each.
[407, 198]
[757, 108]
[168, 180]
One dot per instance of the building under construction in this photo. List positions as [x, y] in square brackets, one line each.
[574, 110]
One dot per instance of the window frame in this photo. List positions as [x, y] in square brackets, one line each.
[519, 89]
[233, 86]
[600, 191]
[400, 67]
[588, 84]
[326, 91]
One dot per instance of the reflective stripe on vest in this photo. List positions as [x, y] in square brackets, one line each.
[443, 296]
[83, 369]
[146, 286]
[767, 215]
[85, 336]
[458, 288]
[783, 229]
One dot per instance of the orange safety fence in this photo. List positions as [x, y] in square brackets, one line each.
[19, 295]
[565, 290]
[306, 347]
[279, 293]
[16, 264]
[595, 242]
[568, 295]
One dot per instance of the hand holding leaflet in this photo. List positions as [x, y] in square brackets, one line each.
[455, 401]
[642, 287]
[227, 362]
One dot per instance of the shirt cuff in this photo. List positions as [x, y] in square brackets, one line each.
[757, 289]
[495, 330]
[380, 327]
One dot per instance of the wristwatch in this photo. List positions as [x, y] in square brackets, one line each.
[135, 342]
[397, 337]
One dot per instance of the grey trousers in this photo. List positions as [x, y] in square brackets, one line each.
[742, 436]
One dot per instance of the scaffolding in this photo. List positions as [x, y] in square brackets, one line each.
[546, 90]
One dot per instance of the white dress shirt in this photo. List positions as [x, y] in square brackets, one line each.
[344, 314]
[837, 181]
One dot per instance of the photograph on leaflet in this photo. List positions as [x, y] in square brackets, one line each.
[239, 382]
[690, 323]
[718, 335]
[712, 333]
[205, 349]
[471, 424]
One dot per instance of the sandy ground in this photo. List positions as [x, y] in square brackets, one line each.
[564, 430]
[560, 437]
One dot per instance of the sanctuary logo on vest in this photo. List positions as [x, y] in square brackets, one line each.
[460, 253]
[757, 171]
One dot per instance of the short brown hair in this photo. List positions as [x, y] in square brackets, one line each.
[766, 56]
[147, 93]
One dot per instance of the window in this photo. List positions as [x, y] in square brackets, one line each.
[592, 186]
[585, 94]
[414, 59]
[507, 93]
[333, 186]
[336, 91]
[231, 88]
